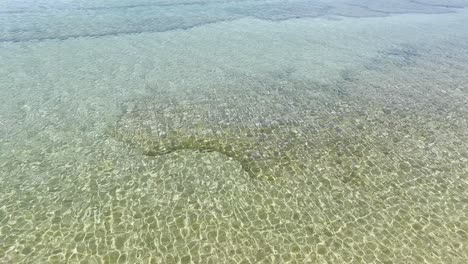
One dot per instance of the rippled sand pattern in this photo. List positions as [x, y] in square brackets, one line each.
[299, 134]
[364, 174]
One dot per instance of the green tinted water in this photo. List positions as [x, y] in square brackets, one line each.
[234, 132]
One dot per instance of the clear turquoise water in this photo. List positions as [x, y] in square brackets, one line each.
[330, 131]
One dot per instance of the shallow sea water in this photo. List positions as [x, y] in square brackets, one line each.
[234, 131]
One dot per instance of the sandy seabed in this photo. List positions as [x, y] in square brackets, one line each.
[270, 132]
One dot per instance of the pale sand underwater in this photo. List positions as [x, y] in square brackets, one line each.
[234, 132]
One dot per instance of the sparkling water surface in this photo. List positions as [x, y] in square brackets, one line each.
[234, 131]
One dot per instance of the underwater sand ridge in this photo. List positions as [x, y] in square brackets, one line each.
[306, 125]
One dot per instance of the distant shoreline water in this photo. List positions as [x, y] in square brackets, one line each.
[73, 21]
